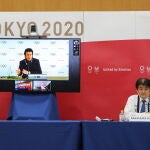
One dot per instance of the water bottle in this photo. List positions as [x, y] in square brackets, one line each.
[121, 116]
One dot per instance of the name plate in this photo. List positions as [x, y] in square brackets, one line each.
[37, 76]
[145, 117]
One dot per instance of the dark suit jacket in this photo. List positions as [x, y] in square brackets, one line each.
[32, 66]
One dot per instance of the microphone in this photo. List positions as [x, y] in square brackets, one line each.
[149, 105]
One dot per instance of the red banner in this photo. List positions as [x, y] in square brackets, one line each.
[109, 71]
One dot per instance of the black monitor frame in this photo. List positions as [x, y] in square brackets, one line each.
[71, 85]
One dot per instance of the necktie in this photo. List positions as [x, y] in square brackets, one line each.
[143, 106]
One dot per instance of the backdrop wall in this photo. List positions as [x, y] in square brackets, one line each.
[106, 82]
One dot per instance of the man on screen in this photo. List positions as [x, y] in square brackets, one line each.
[29, 65]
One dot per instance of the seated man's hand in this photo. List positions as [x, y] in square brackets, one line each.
[25, 72]
[18, 71]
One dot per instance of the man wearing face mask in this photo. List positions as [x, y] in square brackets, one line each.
[29, 65]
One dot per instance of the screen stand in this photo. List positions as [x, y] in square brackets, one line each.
[33, 107]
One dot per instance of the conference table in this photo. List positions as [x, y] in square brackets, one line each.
[73, 135]
[40, 135]
[116, 135]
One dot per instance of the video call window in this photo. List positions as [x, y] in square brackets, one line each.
[24, 85]
[53, 56]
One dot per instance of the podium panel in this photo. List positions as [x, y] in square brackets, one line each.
[34, 107]
[115, 135]
[40, 135]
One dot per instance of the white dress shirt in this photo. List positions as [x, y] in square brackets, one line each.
[132, 104]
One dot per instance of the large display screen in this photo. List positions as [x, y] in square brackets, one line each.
[40, 65]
